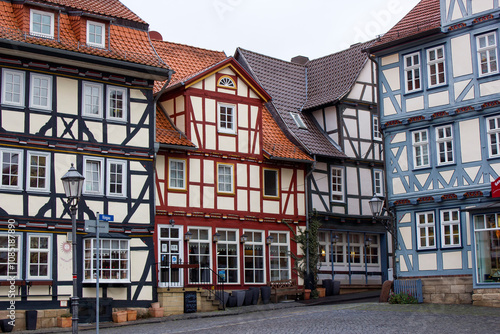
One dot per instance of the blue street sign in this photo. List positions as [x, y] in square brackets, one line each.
[107, 218]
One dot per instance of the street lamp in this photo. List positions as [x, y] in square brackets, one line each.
[73, 183]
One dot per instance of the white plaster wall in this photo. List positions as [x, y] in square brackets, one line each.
[137, 110]
[403, 160]
[210, 111]
[118, 209]
[301, 206]
[460, 86]
[414, 104]
[141, 139]
[242, 200]
[452, 260]
[210, 83]
[37, 122]
[331, 118]
[225, 203]
[300, 180]
[320, 181]
[461, 55]
[271, 207]
[254, 176]
[243, 141]
[397, 186]
[254, 116]
[94, 206]
[356, 91]
[366, 181]
[407, 237]
[242, 88]
[227, 143]
[197, 105]
[439, 99]
[160, 167]
[138, 263]
[392, 77]
[117, 293]
[389, 107]
[479, 6]
[470, 140]
[13, 121]
[241, 175]
[116, 134]
[243, 115]
[194, 196]
[211, 133]
[353, 205]
[352, 181]
[209, 171]
[399, 137]
[67, 96]
[145, 294]
[194, 170]
[427, 261]
[137, 94]
[141, 215]
[391, 59]
[208, 198]
[137, 183]
[254, 201]
[365, 124]
[489, 88]
[64, 260]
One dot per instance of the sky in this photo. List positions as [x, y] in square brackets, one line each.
[278, 28]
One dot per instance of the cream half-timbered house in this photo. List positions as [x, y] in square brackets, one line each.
[439, 90]
[76, 88]
[226, 175]
[328, 106]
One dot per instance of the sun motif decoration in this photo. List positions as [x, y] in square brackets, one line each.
[227, 82]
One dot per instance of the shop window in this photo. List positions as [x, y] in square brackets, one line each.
[254, 257]
[227, 256]
[279, 259]
[487, 246]
[199, 253]
[114, 264]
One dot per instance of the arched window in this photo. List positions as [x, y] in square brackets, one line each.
[226, 82]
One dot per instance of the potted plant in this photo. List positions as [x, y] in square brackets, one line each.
[65, 320]
[131, 315]
[120, 316]
[307, 294]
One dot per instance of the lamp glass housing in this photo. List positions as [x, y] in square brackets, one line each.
[73, 183]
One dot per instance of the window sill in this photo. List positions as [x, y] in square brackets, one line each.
[416, 169]
[487, 75]
[413, 92]
[34, 281]
[14, 190]
[450, 248]
[446, 164]
[113, 120]
[177, 190]
[106, 283]
[18, 282]
[223, 133]
[271, 198]
[44, 110]
[226, 194]
[445, 85]
[427, 250]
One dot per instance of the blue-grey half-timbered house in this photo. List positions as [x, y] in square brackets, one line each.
[76, 88]
[440, 114]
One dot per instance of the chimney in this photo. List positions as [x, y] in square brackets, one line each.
[301, 60]
[155, 35]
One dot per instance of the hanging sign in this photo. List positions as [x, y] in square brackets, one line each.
[495, 188]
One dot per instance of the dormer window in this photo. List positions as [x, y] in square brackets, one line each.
[95, 34]
[42, 24]
[226, 82]
[298, 120]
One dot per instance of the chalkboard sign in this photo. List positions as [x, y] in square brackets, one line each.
[189, 302]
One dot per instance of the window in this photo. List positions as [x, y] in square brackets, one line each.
[487, 53]
[42, 24]
[279, 258]
[38, 171]
[92, 170]
[117, 178]
[199, 253]
[41, 92]
[92, 99]
[493, 129]
[444, 141]
[412, 72]
[226, 82]
[226, 118]
[298, 120]
[436, 66]
[487, 248]
[376, 128]
[254, 257]
[10, 256]
[271, 183]
[225, 178]
[95, 34]
[114, 264]
[450, 228]
[13, 87]
[11, 172]
[337, 184]
[117, 103]
[355, 247]
[425, 230]
[371, 249]
[39, 256]
[227, 256]
[177, 174]
[170, 249]
[420, 149]
[332, 242]
[378, 183]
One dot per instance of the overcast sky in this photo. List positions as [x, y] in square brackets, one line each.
[277, 28]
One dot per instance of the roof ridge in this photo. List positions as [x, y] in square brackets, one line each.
[269, 57]
[189, 46]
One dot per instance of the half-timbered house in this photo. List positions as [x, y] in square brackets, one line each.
[230, 185]
[328, 107]
[439, 90]
[76, 88]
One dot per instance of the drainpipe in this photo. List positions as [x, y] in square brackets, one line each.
[308, 175]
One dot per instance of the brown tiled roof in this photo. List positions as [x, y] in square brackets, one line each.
[286, 83]
[185, 60]
[425, 17]
[275, 143]
[167, 134]
[127, 44]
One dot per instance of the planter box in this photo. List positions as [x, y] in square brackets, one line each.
[156, 312]
[64, 321]
[120, 316]
[131, 315]
[155, 305]
[321, 292]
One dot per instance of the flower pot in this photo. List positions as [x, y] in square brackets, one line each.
[240, 297]
[31, 317]
[248, 297]
[120, 316]
[7, 325]
[265, 294]
[232, 301]
[155, 305]
[307, 294]
[64, 321]
[156, 312]
[321, 292]
[131, 315]
[255, 295]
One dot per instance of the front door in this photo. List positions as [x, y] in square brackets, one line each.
[170, 252]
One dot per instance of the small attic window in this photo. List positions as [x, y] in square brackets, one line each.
[298, 120]
[95, 34]
[226, 82]
[41, 23]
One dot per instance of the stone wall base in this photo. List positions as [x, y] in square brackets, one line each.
[486, 297]
[172, 300]
[447, 289]
[45, 318]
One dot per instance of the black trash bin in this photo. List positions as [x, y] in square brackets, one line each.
[7, 325]
[328, 285]
[31, 317]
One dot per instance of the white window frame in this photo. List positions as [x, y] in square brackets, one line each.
[447, 225]
[230, 242]
[427, 227]
[490, 52]
[219, 184]
[102, 35]
[337, 177]
[38, 250]
[47, 96]
[377, 135]
[100, 191]
[276, 243]
[109, 115]
[250, 242]
[434, 64]
[103, 258]
[202, 270]
[223, 125]
[447, 142]
[170, 174]
[378, 182]
[21, 76]
[415, 70]
[422, 146]
[32, 22]
[20, 169]
[47, 171]
[493, 136]
[298, 120]
[99, 105]
[276, 183]
[18, 250]
[123, 193]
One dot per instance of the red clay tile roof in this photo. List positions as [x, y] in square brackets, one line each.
[424, 17]
[127, 44]
[185, 60]
[167, 134]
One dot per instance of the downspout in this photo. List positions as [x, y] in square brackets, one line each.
[308, 175]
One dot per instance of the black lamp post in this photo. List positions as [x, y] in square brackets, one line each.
[73, 184]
